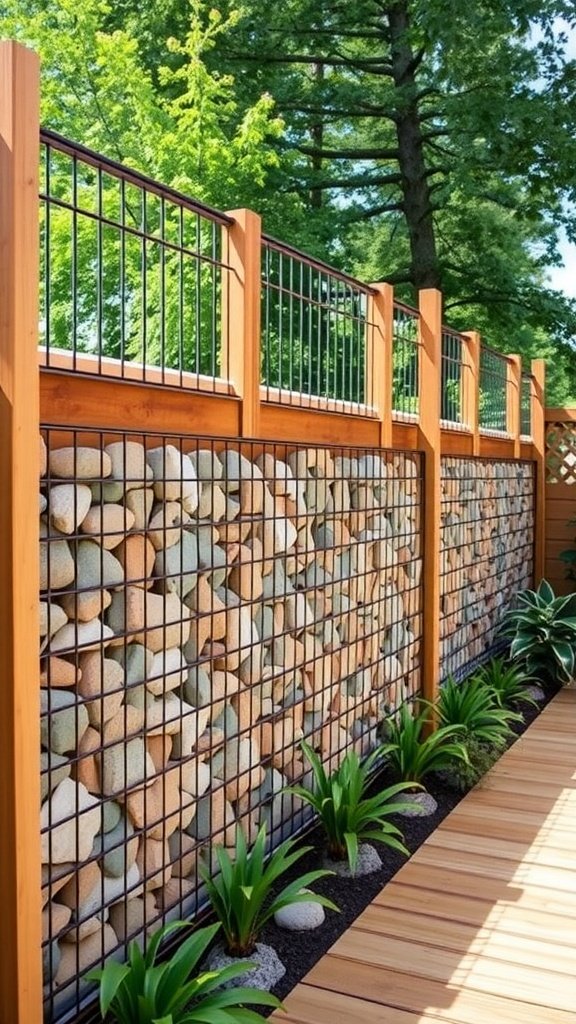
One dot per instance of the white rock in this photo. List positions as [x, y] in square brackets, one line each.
[73, 815]
[85, 635]
[174, 477]
[79, 463]
[167, 671]
[69, 505]
[125, 766]
[128, 464]
[300, 917]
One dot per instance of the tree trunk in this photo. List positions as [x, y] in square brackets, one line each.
[317, 136]
[416, 203]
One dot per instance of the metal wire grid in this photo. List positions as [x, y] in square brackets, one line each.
[314, 332]
[131, 273]
[486, 555]
[526, 405]
[452, 377]
[493, 390]
[406, 361]
[205, 604]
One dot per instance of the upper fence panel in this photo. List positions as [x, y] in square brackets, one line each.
[526, 405]
[492, 412]
[406, 361]
[452, 378]
[131, 273]
[315, 328]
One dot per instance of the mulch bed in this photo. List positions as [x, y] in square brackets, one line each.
[299, 951]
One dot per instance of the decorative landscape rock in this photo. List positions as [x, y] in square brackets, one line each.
[423, 805]
[265, 976]
[368, 862]
[300, 917]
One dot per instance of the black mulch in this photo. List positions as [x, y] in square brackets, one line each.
[299, 951]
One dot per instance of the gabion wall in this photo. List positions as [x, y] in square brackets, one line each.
[204, 606]
[487, 552]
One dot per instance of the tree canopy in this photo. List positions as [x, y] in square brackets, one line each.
[424, 143]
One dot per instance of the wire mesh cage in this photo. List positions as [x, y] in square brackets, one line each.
[315, 330]
[406, 361]
[487, 552]
[452, 377]
[493, 390]
[132, 273]
[205, 604]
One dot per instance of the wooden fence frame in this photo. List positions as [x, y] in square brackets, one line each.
[28, 397]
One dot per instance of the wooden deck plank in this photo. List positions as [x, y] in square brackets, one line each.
[480, 924]
[489, 940]
[513, 918]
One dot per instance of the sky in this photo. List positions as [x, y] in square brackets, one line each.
[564, 278]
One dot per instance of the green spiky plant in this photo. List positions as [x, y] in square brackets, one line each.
[473, 708]
[241, 893]
[143, 991]
[346, 813]
[507, 681]
[543, 632]
[411, 755]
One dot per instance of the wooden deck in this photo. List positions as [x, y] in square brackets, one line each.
[479, 927]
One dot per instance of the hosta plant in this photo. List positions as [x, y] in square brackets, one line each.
[411, 755]
[543, 632]
[241, 892]
[473, 708]
[346, 813]
[507, 681]
[143, 991]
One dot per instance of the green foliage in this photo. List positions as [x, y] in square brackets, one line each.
[347, 815]
[481, 756]
[473, 707]
[142, 991]
[543, 632]
[413, 756]
[508, 682]
[241, 893]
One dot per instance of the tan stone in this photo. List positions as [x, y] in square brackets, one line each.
[153, 862]
[54, 919]
[165, 528]
[137, 554]
[159, 748]
[246, 576]
[156, 620]
[86, 767]
[129, 917]
[81, 957]
[175, 892]
[80, 886]
[128, 722]
[108, 523]
[59, 672]
[54, 878]
[86, 605]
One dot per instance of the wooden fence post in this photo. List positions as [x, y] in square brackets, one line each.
[430, 306]
[539, 444]
[380, 315]
[20, 875]
[513, 393]
[471, 387]
[241, 314]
